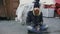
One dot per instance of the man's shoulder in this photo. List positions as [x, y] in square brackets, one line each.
[30, 13]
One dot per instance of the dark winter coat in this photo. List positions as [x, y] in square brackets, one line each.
[34, 19]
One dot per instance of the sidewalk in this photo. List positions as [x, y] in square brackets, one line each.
[13, 27]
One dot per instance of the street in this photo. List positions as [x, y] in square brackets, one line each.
[13, 27]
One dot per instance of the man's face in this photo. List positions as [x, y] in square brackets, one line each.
[36, 11]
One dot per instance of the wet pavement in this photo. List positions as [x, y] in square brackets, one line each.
[13, 27]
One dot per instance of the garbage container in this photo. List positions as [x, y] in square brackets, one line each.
[48, 11]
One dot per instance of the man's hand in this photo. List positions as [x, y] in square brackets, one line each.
[37, 27]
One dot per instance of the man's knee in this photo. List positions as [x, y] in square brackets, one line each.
[29, 27]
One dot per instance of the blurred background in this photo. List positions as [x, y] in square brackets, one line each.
[13, 14]
[9, 8]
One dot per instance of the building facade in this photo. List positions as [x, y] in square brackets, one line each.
[8, 8]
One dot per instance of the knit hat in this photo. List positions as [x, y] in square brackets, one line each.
[36, 5]
[37, 0]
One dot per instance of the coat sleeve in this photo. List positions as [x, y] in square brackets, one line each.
[28, 19]
[41, 17]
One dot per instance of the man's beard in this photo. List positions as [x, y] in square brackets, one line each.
[36, 14]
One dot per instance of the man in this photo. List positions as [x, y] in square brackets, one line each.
[35, 17]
